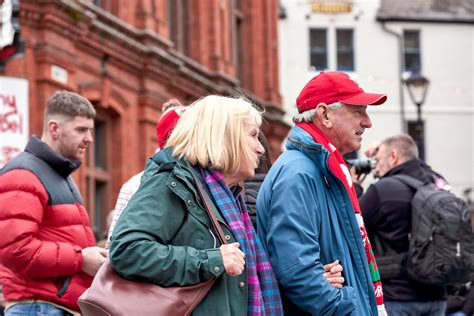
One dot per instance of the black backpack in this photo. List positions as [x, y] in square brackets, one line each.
[441, 249]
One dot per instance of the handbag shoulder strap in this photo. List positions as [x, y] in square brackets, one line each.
[210, 212]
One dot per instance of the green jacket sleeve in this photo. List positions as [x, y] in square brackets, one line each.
[142, 245]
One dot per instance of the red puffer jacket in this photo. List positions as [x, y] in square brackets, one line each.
[42, 233]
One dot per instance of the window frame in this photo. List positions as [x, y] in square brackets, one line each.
[98, 177]
[319, 51]
[178, 24]
[349, 49]
[412, 52]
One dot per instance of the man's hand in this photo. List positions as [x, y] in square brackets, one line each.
[233, 259]
[372, 149]
[92, 259]
[357, 178]
[333, 273]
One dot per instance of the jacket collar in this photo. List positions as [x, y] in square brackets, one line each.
[417, 168]
[300, 140]
[60, 164]
[165, 160]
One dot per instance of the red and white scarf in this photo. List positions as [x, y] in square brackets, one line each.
[339, 168]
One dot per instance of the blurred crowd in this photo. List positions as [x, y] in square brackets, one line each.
[303, 237]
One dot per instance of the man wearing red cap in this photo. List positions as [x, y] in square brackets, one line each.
[172, 111]
[307, 210]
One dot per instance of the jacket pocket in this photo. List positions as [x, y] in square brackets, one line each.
[62, 284]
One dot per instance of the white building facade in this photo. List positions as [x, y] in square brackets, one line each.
[379, 43]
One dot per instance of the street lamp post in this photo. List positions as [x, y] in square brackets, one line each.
[417, 86]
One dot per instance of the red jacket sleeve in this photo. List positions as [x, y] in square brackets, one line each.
[23, 203]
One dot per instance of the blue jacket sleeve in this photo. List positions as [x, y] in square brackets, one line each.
[289, 218]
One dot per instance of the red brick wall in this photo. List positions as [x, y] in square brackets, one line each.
[125, 63]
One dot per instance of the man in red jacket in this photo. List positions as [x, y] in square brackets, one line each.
[47, 249]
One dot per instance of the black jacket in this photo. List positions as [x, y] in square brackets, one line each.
[389, 218]
[251, 188]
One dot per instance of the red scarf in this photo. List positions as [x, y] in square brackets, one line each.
[339, 168]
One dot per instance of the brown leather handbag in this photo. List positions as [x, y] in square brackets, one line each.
[112, 295]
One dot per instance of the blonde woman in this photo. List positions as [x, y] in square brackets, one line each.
[163, 235]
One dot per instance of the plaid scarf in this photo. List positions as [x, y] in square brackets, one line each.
[263, 293]
[339, 168]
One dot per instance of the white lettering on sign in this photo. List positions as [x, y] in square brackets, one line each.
[14, 127]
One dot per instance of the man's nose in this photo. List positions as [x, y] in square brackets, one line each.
[89, 137]
[366, 121]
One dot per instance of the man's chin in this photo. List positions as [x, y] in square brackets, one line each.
[78, 156]
[357, 146]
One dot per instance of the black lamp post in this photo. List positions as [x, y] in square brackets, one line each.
[417, 86]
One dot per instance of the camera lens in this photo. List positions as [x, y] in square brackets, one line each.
[362, 166]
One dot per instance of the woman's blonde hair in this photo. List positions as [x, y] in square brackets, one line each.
[211, 133]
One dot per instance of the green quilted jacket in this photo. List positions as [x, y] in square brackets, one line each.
[164, 236]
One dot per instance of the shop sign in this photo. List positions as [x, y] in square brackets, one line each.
[14, 127]
[331, 6]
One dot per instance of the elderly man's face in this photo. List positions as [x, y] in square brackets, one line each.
[348, 124]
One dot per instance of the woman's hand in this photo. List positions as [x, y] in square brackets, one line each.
[233, 259]
[92, 259]
[333, 273]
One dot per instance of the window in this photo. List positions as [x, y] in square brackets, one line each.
[98, 176]
[411, 42]
[416, 131]
[237, 37]
[345, 49]
[178, 26]
[318, 49]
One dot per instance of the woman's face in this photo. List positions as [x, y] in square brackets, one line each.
[247, 166]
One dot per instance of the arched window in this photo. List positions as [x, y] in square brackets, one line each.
[178, 24]
[237, 38]
[98, 177]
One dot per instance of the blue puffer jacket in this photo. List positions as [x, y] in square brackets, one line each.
[305, 220]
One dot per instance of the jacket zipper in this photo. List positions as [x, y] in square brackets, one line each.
[213, 237]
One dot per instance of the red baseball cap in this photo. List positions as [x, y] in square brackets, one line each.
[335, 86]
[167, 123]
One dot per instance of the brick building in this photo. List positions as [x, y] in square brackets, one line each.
[129, 56]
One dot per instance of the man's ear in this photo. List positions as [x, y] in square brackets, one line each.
[394, 158]
[54, 129]
[322, 115]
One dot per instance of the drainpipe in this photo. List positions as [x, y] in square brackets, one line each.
[401, 59]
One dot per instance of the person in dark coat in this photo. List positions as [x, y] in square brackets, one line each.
[388, 223]
[252, 185]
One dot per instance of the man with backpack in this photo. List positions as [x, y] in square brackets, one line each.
[387, 212]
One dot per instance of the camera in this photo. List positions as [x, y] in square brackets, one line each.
[362, 166]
